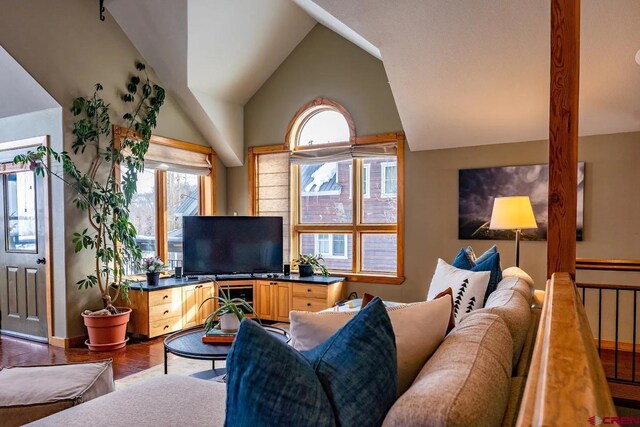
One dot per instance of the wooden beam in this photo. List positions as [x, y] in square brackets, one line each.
[563, 136]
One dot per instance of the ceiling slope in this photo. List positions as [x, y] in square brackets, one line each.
[472, 73]
[213, 55]
[20, 93]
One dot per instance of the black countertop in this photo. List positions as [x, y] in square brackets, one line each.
[172, 282]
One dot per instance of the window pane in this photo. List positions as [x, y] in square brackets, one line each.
[142, 213]
[20, 214]
[334, 248]
[182, 200]
[380, 205]
[324, 127]
[324, 193]
[379, 253]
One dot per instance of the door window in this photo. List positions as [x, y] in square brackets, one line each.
[20, 212]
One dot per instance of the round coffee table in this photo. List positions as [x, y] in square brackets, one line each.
[188, 343]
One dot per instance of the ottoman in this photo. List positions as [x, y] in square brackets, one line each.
[28, 393]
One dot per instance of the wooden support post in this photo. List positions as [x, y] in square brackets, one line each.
[563, 136]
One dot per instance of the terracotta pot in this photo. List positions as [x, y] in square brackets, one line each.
[107, 332]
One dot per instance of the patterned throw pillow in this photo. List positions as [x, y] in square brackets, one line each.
[488, 261]
[468, 287]
[350, 379]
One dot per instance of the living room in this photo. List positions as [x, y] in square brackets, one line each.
[468, 91]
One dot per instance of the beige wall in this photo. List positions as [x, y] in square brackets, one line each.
[67, 49]
[324, 64]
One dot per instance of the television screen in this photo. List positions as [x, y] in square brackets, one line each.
[231, 244]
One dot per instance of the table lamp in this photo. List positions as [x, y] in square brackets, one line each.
[513, 213]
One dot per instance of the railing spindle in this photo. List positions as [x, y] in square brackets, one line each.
[600, 321]
[615, 369]
[633, 351]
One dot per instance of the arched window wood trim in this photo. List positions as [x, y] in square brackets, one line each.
[310, 109]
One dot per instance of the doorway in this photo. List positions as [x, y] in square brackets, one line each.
[23, 251]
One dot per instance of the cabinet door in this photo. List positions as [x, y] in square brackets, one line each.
[207, 290]
[282, 301]
[190, 299]
[264, 306]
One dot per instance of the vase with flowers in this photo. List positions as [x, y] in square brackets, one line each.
[153, 266]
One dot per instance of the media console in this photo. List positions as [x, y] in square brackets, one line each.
[174, 304]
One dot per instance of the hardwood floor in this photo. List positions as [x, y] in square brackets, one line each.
[623, 393]
[134, 358]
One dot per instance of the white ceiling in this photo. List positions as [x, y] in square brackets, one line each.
[213, 55]
[472, 73]
[19, 92]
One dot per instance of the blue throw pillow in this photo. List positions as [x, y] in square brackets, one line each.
[491, 264]
[463, 261]
[482, 258]
[358, 369]
[271, 384]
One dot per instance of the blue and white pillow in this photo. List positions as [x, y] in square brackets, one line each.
[488, 261]
[350, 379]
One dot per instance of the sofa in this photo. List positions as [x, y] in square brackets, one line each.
[475, 377]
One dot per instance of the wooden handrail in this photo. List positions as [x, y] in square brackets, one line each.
[566, 384]
[607, 264]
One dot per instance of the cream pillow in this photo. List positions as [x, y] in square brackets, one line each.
[419, 329]
[468, 287]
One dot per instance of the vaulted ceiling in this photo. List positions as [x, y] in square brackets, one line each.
[462, 73]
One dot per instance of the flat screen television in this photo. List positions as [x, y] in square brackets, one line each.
[231, 245]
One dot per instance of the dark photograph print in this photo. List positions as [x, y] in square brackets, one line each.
[478, 188]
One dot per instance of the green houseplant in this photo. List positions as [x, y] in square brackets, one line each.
[104, 192]
[229, 311]
[308, 264]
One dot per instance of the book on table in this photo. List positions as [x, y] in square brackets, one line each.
[217, 336]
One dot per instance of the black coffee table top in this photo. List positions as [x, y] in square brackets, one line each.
[188, 343]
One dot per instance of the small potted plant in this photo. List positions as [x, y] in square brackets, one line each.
[308, 264]
[152, 265]
[229, 311]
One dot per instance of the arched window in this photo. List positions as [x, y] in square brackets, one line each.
[320, 122]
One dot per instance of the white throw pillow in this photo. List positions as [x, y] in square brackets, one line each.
[419, 329]
[468, 287]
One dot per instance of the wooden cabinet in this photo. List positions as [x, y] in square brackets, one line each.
[308, 297]
[193, 312]
[274, 300]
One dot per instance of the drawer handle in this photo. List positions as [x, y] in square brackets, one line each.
[166, 326]
[166, 312]
[308, 290]
[198, 286]
[165, 297]
[308, 304]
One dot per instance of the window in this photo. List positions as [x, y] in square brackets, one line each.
[389, 179]
[345, 192]
[178, 181]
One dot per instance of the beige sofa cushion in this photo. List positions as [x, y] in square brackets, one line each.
[517, 284]
[512, 307]
[419, 329]
[466, 382]
[522, 368]
[167, 400]
[515, 399]
[28, 393]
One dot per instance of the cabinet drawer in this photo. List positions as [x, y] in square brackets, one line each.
[308, 304]
[165, 296]
[309, 291]
[164, 326]
[164, 311]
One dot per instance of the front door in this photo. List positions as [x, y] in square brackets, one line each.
[23, 299]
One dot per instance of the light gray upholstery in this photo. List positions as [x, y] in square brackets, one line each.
[466, 382]
[512, 307]
[28, 393]
[167, 400]
[517, 284]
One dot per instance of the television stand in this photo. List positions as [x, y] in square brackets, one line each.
[234, 276]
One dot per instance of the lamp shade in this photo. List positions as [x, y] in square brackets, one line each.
[512, 213]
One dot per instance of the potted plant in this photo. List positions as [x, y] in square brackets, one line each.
[308, 264]
[104, 193]
[229, 311]
[152, 265]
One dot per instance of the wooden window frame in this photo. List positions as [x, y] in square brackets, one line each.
[206, 188]
[356, 228]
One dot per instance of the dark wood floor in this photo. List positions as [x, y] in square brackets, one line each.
[134, 358]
